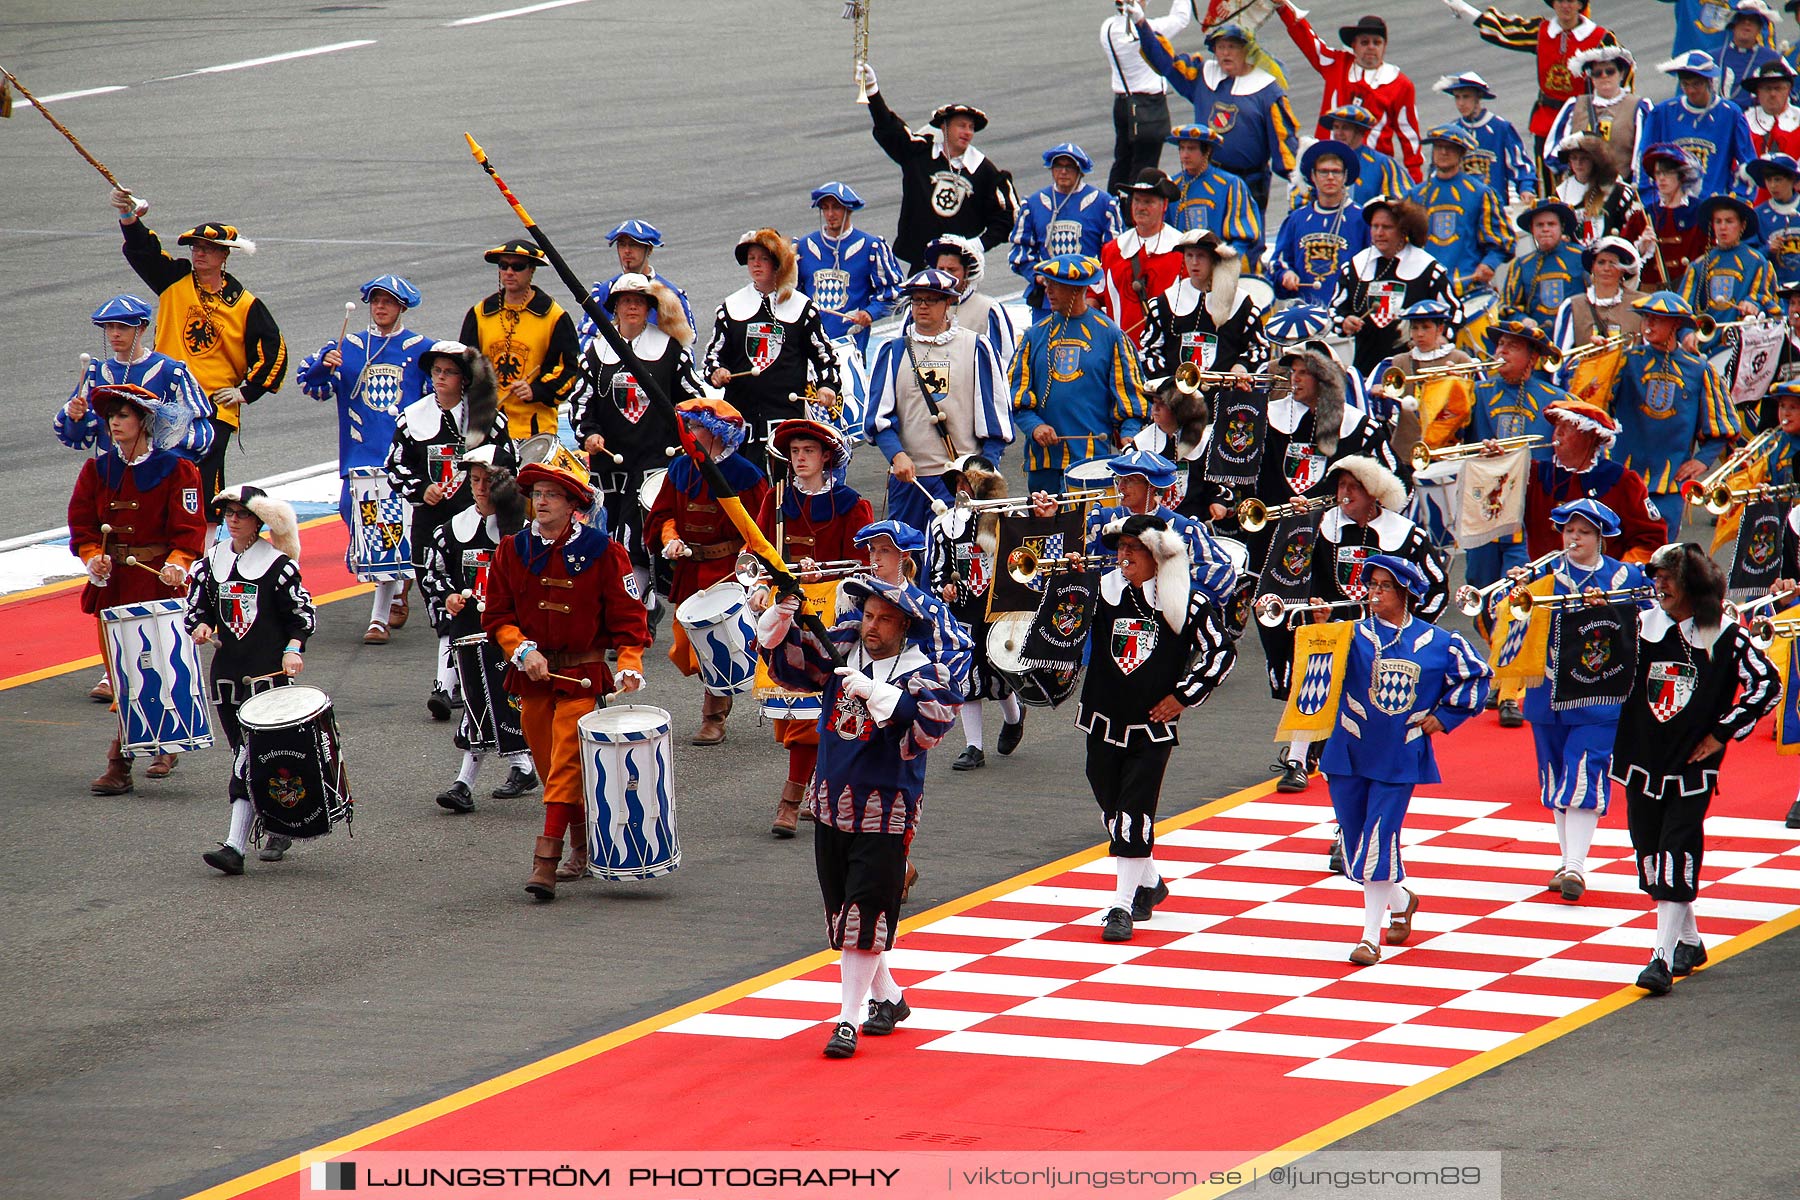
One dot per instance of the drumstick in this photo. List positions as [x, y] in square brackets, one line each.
[469, 594]
[250, 679]
[671, 451]
[349, 307]
[752, 372]
[937, 505]
[131, 560]
[617, 458]
[582, 682]
[86, 361]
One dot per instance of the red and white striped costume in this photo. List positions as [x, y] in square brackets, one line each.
[1386, 92]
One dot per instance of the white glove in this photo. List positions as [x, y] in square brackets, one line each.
[227, 397]
[1463, 9]
[855, 683]
[624, 677]
[675, 549]
[881, 699]
[866, 74]
[1134, 12]
[772, 627]
[98, 576]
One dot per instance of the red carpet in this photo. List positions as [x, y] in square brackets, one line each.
[1232, 1021]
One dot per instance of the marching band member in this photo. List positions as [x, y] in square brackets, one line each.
[964, 260]
[1575, 745]
[1156, 648]
[1699, 684]
[690, 530]
[1784, 460]
[1674, 235]
[1732, 278]
[1603, 202]
[233, 349]
[528, 340]
[1778, 216]
[769, 347]
[946, 184]
[1068, 217]
[1361, 76]
[1774, 119]
[893, 549]
[1143, 259]
[370, 378]
[1749, 47]
[1608, 108]
[885, 708]
[1075, 379]
[1377, 174]
[1430, 330]
[1392, 273]
[1604, 306]
[1670, 403]
[632, 241]
[936, 392]
[1206, 317]
[1538, 283]
[1699, 115]
[963, 545]
[1319, 236]
[1498, 158]
[556, 603]
[258, 635]
[1180, 429]
[150, 498]
[850, 274]
[616, 415]
[1404, 681]
[813, 519]
[1578, 469]
[496, 511]
[1210, 197]
[1366, 522]
[124, 321]
[430, 438]
[1465, 219]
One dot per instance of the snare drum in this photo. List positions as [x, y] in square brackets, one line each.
[628, 772]
[293, 761]
[491, 719]
[155, 669]
[1037, 687]
[723, 635]
[546, 449]
[1243, 591]
[650, 488]
[1091, 474]
[379, 548]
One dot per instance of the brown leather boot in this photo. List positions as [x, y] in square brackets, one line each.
[575, 866]
[787, 812]
[912, 877]
[161, 765]
[713, 711]
[542, 884]
[399, 610]
[117, 780]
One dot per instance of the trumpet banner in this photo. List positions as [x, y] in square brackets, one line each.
[1519, 650]
[821, 598]
[1726, 530]
[1444, 408]
[1491, 498]
[1787, 713]
[1321, 653]
[1594, 378]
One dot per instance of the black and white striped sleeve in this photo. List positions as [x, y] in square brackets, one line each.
[405, 468]
[201, 596]
[1759, 687]
[1431, 561]
[298, 618]
[821, 359]
[1211, 652]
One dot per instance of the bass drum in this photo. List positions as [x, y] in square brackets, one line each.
[1037, 687]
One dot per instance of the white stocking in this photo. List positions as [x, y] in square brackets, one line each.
[1376, 897]
[858, 975]
[1297, 749]
[1010, 712]
[446, 666]
[885, 986]
[1579, 833]
[385, 591]
[1668, 928]
[1690, 929]
[971, 722]
[241, 816]
[470, 765]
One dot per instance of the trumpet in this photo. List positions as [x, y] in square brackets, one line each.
[1706, 324]
[1472, 600]
[1722, 499]
[1010, 505]
[1736, 612]
[1253, 514]
[1765, 630]
[1697, 491]
[1396, 380]
[751, 572]
[1522, 603]
[1189, 379]
[1025, 566]
[1271, 610]
[858, 11]
[1423, 456]
[1599, 346]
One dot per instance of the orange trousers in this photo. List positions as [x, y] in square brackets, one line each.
[551, 725]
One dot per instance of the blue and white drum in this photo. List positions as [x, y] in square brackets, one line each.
[723, 635]
[627, 768]
[157, 681]
[853, 391]
[791, 706]
[379, 547]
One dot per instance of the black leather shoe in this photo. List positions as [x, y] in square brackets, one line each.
[1011, 734]
[884, 1015]
[518, 782]
[1656, 979]
[225, 859]
[1293, 777]
[456, 798]
[1688, 957]
[438, 704]
[843, 1041]
[1336, 862]
[275, 847]
[1510, 716]
[1144, 902]
[1118, 926]
[1793, 817]
[971, 759]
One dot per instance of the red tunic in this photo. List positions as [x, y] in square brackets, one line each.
[570, 600]
[822, 527]
[1641, 528]
[691, 514]
[1118, 299]
[154, 510]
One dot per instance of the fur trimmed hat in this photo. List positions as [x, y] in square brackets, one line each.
[1408, 214]
[1171, 554]
[1317, 360]
[1697, 576]
[277, 516]
[787, 262]
[1376, 479]
[1192, 416]
[481, 391]
[663, 301]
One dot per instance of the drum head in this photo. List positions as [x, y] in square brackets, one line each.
[280, 707]
[1237, 552]
[647, 490]
[1093, 473]
[538, 448]
[705, 607]
[366, 473]
[473, 639]
[619, 722]
[1006, 639]
[1261, 293]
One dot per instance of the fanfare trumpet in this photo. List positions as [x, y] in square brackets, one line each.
[1253, 514]
[1271, 610]
[1599, 346]
[1009, 505]
[1189, 379]
[1698, 491]
[1423, 456]
[1522, 603]
[1025, 566]
[1722, 499]
[1706, 324]
[1396, 380]
[1473, 601]
[1765, 630]
[751, 571]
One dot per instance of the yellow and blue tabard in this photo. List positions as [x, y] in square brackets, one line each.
[1081, 376]
[1465, 225]
[1719, 280]
[1665, 403]
[1537, 284]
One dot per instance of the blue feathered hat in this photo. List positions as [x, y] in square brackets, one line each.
[1072, 152]
[1694, 62]
[123, 309]
[1595, 513]
[395, 286]
[637, 231]
[905, 537]
[841, 192]
[907, 599]
[1466, 81]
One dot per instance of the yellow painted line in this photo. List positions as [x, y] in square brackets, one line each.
[92, 660]
[45, 589]
[519, 1076]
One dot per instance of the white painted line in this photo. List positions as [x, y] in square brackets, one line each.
[273, 58]
[515, 12]
[99, 91]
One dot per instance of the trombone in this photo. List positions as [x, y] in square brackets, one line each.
[1522, 603]
[1271, 610]
[1722, 499]
[1423, 456]
[1025, 566]
[1012, 505]
[1396, 380]
[1765, 630]
[1253, 514]
[1698, 491]
[1473, 600]
[752, 573]
[1189, 379]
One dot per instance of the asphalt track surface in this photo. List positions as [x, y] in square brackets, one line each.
[167, 1029]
